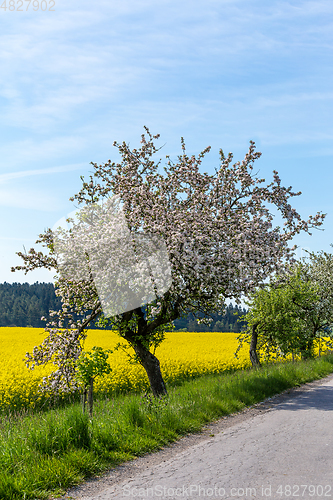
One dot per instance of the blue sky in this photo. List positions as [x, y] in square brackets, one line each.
[218, 73]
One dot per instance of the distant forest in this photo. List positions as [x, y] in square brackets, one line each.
[24, 305]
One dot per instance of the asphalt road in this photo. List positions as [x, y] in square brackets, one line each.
[281, 448]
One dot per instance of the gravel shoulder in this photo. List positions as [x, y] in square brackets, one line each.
[101, 487]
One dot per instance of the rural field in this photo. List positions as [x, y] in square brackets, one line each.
[43, 453]
[183, 355]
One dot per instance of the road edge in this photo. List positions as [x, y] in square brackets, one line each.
[97, 484]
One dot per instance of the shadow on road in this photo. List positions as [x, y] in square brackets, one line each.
[320, 398]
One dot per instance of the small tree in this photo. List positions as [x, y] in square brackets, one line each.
[314, 272]
[292, 313]
[274, 326]
[90, 365]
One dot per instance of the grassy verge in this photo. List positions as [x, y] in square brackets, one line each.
[46, 453]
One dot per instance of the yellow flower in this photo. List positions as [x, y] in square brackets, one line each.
[181, 355]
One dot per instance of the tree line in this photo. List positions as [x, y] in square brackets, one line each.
[23, 304]
[227, 322]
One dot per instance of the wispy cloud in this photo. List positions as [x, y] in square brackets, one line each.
[42, 171]
[217, 72]
[31, 150]
[13, 238]
[29, 199]
[53, 75]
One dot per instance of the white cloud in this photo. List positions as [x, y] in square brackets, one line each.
[43, 171]
[13, 238]
[58, 68]
[37, 150]
[29, 199]
[218, 72]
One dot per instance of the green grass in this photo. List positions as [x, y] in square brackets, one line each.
[45, 453]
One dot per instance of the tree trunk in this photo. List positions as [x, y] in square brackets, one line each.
[91, 396]
[306, 348]
[152, 366]
[84, 399]
[253, 347]
[87, 397]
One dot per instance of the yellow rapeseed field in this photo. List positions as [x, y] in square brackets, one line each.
[182, 355]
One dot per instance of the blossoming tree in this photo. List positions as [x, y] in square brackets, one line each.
[220, 243]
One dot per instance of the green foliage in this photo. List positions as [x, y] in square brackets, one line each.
[224, 321]
[52, 438]
[23, 305]
[92, 364]
[288, 315]
[46, 453]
